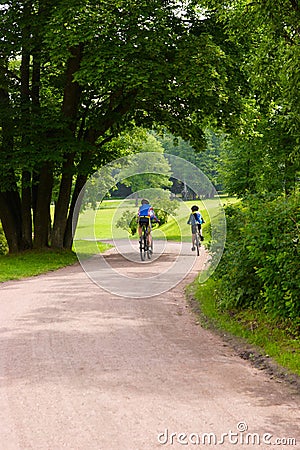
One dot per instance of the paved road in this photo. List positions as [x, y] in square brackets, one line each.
[85, 369]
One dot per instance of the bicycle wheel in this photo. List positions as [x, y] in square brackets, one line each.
[145, 243]
[141, 242]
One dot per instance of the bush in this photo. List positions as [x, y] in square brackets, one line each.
[128, 222]
[236, 276]
[3, 243]
[261, 265]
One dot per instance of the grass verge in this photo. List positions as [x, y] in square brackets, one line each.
[33, 262]
[268, 339]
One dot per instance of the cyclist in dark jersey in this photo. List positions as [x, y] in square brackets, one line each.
[146, 216]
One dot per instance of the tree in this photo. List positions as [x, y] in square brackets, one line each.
[261, 162]
[263, 154]
[74, 75]
[205, 159]
[150, 171]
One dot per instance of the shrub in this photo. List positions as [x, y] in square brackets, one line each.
[260, 267]
[128, 222]
[3, 243]
[237, 279]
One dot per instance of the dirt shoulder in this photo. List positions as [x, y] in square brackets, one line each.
[254, 355]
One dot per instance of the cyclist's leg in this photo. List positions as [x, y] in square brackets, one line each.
[149, 228]
[193, 241]
[140, 230]
[200, 232]
[193, 236]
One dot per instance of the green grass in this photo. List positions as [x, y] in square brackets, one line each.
[31, 263]
[86, 249]
[275, 339]
[177, 229]
[101, 224]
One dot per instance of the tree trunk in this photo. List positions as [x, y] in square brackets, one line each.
[62, 205]
[26, 211]
[70, 106]
[42, 217]
[73, 214]
[10, 216]
[10, 204]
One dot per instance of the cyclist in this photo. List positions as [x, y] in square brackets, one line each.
[146, 216]
[196, 220]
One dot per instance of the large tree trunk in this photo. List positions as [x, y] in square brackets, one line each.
[10, 204]
[73, 214]
[42, 217]
[70, 106]
[26, 211]
[10, 216]
[62, 205]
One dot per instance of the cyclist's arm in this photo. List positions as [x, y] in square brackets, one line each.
[191, 220]
[153, 216]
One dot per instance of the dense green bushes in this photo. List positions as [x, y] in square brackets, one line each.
[3, 243]
[260, 267]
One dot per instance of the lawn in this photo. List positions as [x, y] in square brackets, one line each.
[101, 224]
[31, 263]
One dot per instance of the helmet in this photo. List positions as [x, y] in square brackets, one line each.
[195, 208]
[145, 201]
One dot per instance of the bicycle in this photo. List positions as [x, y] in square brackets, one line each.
[146, 250]
[197, 240]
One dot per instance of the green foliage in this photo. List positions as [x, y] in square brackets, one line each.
[260, 267]
[128, 221]
[206, 159]
[238, 282]
[3, 243]
[97, 188]
[150, 170]
[263, 151]
[262, 158]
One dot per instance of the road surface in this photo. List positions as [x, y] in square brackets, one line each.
[84, 369]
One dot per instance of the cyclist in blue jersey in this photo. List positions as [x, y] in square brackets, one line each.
[146, 216]
[196, 220]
